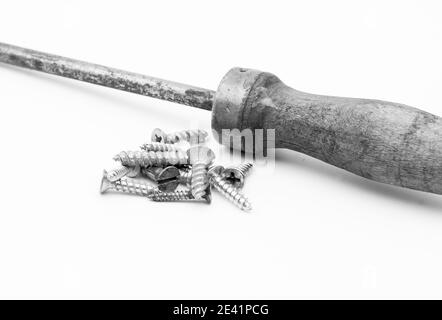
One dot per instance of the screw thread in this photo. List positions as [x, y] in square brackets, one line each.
[159, 196]
[245, 168]
[230, 192]
[185, 177]
[151, 158]
[199, 180]
[157, 146]
[118, 173]
[127, 185]
[192, 136]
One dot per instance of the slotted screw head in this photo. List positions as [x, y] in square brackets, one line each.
[158, 174]
[167, 173]
[167, 178]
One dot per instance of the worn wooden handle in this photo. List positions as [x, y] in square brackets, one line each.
[382, 141]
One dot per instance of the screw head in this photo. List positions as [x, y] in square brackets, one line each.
[234, 176]
[168, 186]
[200, 154]
[168, 179]
[168, 173]
[158, 135]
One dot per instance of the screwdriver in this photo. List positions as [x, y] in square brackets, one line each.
[383, 141]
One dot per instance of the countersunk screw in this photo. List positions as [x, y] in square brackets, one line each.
[228, 190]
[123, 171]
[152, 159]
[200, 158]
[166, 178]
[192, 136]
[182, 195]
[157, 146]
[236, 174]
[126, 185]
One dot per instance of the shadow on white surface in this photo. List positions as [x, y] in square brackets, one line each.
[384, 191]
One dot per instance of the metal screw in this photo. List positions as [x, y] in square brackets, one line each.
[236, 174]
[228, 190]
[185, 177]
[192, 136]
[167, 178]
[157, 146]
[123, 171]
[126, 185]
[200, 158]
[182, 195]
[152, 159]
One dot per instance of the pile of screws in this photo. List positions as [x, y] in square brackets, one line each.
[178, 175]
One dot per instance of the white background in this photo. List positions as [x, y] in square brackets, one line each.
[315, 231]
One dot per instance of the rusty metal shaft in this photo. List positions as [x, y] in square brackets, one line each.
[108, 77]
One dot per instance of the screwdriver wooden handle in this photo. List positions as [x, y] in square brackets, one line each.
[382, 141]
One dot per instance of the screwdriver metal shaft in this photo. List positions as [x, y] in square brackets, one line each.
[108, 77]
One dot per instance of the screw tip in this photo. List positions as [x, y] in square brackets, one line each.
[247, 207]
[105, 183]
[208, 196]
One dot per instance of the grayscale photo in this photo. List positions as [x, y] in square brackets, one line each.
[222, 158]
